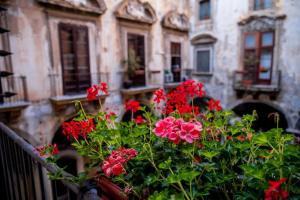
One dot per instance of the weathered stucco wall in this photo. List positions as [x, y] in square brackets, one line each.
[34, 42]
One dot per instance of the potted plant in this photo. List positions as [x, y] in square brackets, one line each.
[185, 154]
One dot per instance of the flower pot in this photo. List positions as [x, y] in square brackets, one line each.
[109, 190]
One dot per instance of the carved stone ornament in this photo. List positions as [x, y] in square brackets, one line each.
[135, 10]
[260, 22]
[95, 7]
[177, 21]
[203, 38]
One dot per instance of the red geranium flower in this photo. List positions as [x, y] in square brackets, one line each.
[139, 120]
[103, 87]
[132, 105]
[113, 165]
[48, 150]
[159, 95]
[214, 105]
[78, 128]
[92, 93]
[274, 192]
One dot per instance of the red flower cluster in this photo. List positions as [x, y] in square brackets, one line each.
[109, 115]
[159, 95]
[178, 99]
[132, 105]
[48, 150]
[177, 130]
[93, 91]
[274, 192]
[114, 164]
[214, 105]
[78, 128]
[139, 120]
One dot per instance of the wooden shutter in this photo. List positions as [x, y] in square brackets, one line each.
[75, 58]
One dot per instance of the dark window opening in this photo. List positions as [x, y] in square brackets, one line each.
[136, 59]
[203, 61]
[265, 121]
[258, 57]
[75, 58]
[176, 61]
[262, 4]
[204, 10]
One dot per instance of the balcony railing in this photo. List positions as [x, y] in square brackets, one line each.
[23, 173]
[14, 90]
[241, 83]
[65, 86]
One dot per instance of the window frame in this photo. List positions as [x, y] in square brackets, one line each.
[73, 28]
[176, 56]
[207, 17]
[203, 48]
[261, 5]
[258, 49]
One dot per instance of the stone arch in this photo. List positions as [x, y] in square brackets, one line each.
[126, 117]
[203, 38]
[201, 102]
[263, 109]
[135, 10]
[298, 125]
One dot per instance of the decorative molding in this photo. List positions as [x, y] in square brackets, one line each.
[262, 22]
[203, 38]
[135, 10]
[94, 7]
[176, 21]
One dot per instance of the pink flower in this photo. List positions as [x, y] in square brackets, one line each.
[164, 127]
[177, 129]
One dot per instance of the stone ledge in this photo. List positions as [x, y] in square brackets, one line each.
[14, 106]
[139, 90]
[68, 99]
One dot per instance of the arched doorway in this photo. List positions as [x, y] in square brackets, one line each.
[201, 103]
[265, 121]
[128, 115]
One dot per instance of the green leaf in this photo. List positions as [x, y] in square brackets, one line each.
[261, 139]
[210, 154]
[166, 164]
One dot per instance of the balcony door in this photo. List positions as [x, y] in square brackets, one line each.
[136, 58]
[258, 56]
[74, 48]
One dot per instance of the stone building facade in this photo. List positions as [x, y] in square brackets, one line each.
[245, 51]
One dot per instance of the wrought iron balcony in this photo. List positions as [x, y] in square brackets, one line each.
[14, 93]
[23, 173]
[242, 83]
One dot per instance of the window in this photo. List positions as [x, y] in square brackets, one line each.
[262, 4]
[203, 60]
[75, 58]
[176, 61]
[136, 58]
[258, 56]
[204, 10]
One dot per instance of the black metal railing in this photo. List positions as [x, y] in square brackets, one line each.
[66, 85]
[14, 89]
[24, 173]
[242, 82]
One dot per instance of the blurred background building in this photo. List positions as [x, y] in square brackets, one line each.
[246, 52]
